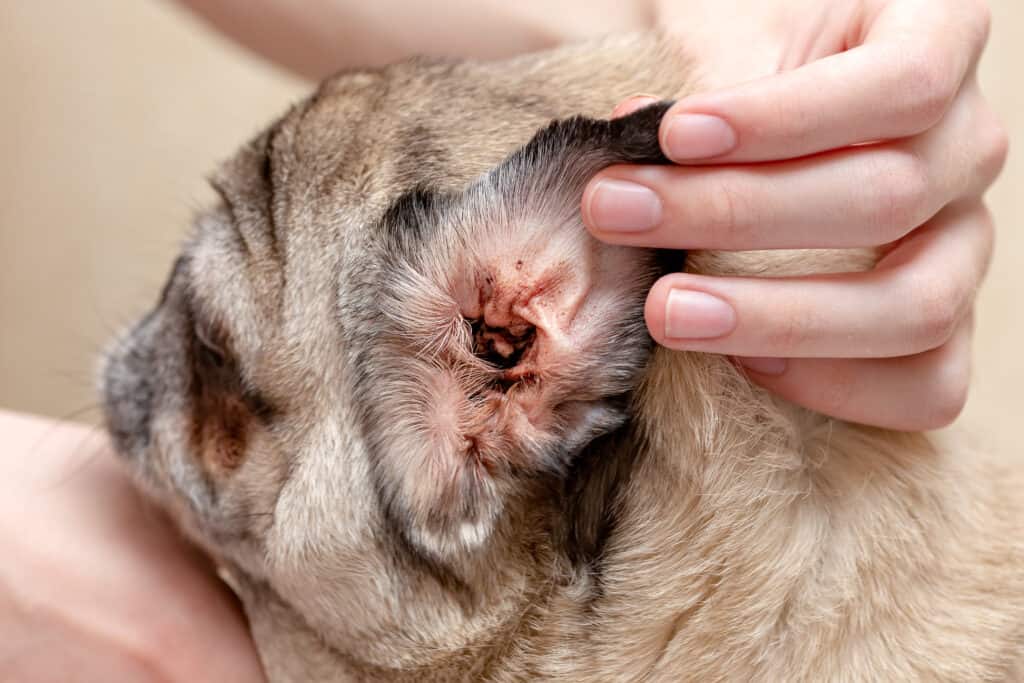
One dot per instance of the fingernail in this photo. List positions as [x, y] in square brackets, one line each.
[764, 366]
[621, 206]
[697, 315]
[697, 136]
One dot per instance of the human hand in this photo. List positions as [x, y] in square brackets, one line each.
[771, 163]
[94, 584]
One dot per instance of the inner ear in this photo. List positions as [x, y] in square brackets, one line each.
[510, 338]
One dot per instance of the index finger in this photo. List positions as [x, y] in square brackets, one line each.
[898, 82]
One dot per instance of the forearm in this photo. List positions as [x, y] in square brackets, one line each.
[95, 581]
[317, 38]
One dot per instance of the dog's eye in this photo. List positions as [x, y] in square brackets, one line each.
[212, 352]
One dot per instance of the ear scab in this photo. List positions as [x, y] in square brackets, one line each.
[510, 336]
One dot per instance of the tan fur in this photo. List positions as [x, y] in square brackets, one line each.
[753, 540]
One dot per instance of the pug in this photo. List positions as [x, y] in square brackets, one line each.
[409, 407]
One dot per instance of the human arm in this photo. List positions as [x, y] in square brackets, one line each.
[97, 582]
[319, 37]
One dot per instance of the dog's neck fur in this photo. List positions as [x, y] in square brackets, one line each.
[799, 545]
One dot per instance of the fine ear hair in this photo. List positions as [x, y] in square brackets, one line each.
[510, 337]
[562, 157]
[552, 167]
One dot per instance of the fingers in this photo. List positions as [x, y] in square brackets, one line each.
[911, 302]
[888, 347]
[859, 196]
[897, 82]
[920, 392]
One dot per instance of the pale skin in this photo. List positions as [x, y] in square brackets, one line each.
[95, 584]
[772, 160]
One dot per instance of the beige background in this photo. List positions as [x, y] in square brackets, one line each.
[112, 112]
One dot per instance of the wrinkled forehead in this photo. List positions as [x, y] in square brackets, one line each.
[302, 201]
[369, 136]
[310, 189]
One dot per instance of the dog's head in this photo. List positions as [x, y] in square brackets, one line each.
[377, 358]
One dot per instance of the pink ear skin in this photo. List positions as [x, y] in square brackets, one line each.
[514, 336]
[543, 316]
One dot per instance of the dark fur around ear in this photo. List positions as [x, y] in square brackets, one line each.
[224, 409]
[579, 146]
[556, 162]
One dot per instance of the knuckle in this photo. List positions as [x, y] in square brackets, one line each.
[949, 395]
[995, 149]
[791, 333]
[838, 392]
[928, 87]
[902, 193]
[949, 406]
[936, 306]
[722, 210]
[987, 233]
[982, 18]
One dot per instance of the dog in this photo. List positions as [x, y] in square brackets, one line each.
[409, 407]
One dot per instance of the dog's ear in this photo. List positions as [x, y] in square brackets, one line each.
[562, 157]
[510, 337]
[552, 168]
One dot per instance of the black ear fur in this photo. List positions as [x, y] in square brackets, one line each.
[559, 159]
[628, 139]
[634, 138]
[563, 156]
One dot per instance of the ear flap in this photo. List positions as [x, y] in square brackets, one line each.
[553, 167]
[510, 338]
[561, 158]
